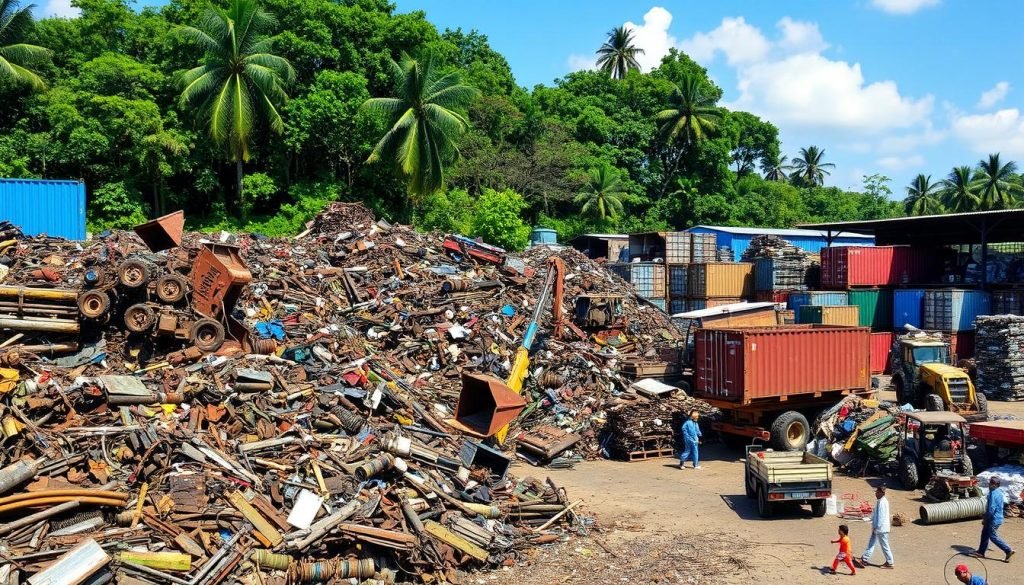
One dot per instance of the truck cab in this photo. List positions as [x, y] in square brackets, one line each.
[924, 378]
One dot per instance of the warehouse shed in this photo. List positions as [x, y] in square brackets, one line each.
[737, 239]
[608, 246]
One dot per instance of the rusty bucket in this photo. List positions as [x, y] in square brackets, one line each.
[485, 405]
[162, 233]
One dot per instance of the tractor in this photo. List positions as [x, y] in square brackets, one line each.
[923, 377]
[932, 443]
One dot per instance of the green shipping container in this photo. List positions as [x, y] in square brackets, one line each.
[874, 306]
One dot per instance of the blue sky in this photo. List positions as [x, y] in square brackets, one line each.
[890, 86]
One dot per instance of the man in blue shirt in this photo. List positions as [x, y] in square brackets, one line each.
[963, 574]
[691, 440]
[993, 520]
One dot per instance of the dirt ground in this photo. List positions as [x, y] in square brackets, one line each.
[656, 523]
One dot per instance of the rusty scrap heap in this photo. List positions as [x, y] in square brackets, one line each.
[252, 410]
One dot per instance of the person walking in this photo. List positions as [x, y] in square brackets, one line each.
[963, 574]
[845, 550]
[691, 441]
[993, 520]
[881, 523]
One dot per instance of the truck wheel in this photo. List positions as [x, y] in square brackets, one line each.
[751, 492]
[139, 318]
[135, 272]
[982, 401]
[933, 403]
[93, 304]
[790, 431]
[908, 473]
[207, 334]
[968, 466]
[764, 507]
[171, 288]
[818, 508]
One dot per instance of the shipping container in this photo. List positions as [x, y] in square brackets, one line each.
[648, 278]
[954, 309]
[1007, 302]
[738, 239]
[37, 206]
[677, 279]
[704, 248]
[846, 315]
[772, 296]
[961, 345]
[672, 247]
[881, 345]
[676, 305]
[799, 298]
[698, 304]
[848, 266]
[620, 269]
[786, 317]
[721, 279]
[660, 303]
[908, 308]
[747, 365]
[875, 307]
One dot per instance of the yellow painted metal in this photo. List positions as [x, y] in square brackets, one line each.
[166, 561]
[273, 536]
[450, 538]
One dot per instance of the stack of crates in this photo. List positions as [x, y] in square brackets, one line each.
[659, 267]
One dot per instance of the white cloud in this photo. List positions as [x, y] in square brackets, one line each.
[740, 42]
[903, 6]
[808, 90]
[901, 163]
[1001, 131]
[582, 62]
[995, 95]
[908, 142]
[61, 8]
[800, 37]
[653, 37]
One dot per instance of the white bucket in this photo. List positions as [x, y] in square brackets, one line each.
[831, 505]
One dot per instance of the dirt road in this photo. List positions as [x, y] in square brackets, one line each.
[659, 524]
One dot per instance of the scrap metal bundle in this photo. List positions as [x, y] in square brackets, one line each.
[856, 433]
[999, 356]
[792, 267]
[647, 428]
[319, 441]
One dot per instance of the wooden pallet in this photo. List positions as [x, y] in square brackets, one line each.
[650, 454]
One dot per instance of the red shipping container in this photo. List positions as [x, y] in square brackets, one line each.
[748, 365]
[846, 266]
[881, 345]
[771, 296]
[961, 345]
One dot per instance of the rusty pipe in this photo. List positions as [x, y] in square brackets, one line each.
[60, 500]
[43, 325]
[64, 492]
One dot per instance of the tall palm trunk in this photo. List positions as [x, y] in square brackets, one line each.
[238, 191]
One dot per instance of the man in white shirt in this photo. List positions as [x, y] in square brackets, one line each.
[881, 521]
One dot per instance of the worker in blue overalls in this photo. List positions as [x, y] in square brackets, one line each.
[691, 440]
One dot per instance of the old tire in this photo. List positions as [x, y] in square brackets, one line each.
[171, 288]
[790, 432]
[139, 318]
[764, 507]
[751, 492]
[908, 473]
[968, 466]
[982, 406]
[818, 508]
[93, 304]
[134, 273]
[933, 403]
[207, 334]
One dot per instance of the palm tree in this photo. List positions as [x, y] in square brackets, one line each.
[602, 195]
[617, 56]
[240, 83]
[960, 190]
[690, 117]
[809, 167]
[996, 183]
[922, 197]
[776, 168]
[425, 122]
[16, 56]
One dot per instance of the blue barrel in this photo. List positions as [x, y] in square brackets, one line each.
[540, 236]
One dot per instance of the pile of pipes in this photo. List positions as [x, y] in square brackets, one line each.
[999, 356]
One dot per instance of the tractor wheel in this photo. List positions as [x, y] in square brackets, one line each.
[982, 401]
[764, 507]
[207, 335]
[909, 476]
[968, 466]
[790, 432]
[818, 508]
[171, 288]
[933, 403]
[139, 318]
[135, 273]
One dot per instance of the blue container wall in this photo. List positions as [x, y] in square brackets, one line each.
[55, 208]
[739, 243]
[954, 310]
[820, 298]
[908, 308]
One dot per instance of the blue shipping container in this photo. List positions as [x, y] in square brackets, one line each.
[953, 309]
[38, 206]
[541, 236]
[908, 307]
[738, 239]
[660, 303]
[819, 298]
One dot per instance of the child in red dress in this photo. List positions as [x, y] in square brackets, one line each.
[845, 550]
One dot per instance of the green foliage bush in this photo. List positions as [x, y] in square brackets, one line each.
[499, 220]
[450, 212]
[116, 206]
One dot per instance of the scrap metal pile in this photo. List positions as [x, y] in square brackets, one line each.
[267, 411]
[999, 356]
[792, 267]
[641, 427]
[859, 433]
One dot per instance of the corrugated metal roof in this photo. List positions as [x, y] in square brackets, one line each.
[778, 232]
[936, 230]
[606, 236]
[723, 310]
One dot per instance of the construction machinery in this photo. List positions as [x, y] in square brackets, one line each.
[924, 377]
[932, 443]
[487, 405]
